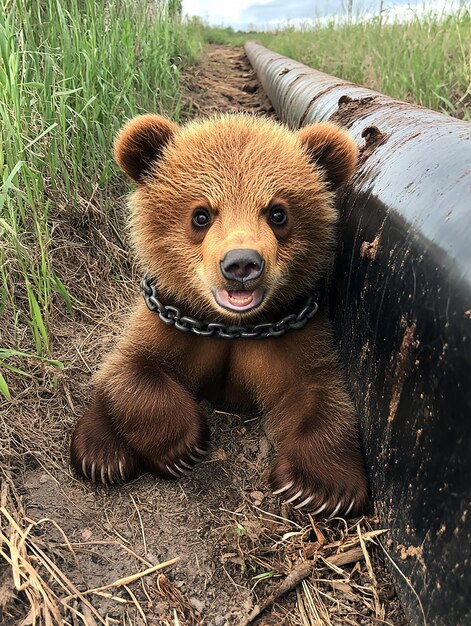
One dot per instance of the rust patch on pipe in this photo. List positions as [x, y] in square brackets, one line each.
[369, 249]
[316, 97]
[351, 109]
[400, 371]
[373, 138]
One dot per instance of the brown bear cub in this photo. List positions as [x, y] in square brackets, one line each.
[233, 220]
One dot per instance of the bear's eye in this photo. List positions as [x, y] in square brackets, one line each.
[201, 217]
[278, 216]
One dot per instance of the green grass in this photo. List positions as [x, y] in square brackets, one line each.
[71, 72]
[426, 60]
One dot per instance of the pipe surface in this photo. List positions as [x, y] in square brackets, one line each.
[401, 307]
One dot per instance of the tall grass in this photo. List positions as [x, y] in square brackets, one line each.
[71, 71]
[426, 59]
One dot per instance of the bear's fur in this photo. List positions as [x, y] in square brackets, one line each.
[145, 415]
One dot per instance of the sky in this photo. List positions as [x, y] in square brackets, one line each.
[263, 14]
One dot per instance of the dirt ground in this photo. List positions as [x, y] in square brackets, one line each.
[73, 549]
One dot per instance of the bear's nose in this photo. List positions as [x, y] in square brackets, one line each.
[242, 265]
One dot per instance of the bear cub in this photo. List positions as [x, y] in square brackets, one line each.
[234, 221]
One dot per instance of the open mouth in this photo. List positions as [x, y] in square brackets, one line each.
[239, 300]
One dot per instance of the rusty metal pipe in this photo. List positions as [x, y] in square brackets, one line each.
[401, 306]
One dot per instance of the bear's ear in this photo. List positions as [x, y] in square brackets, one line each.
[331, 148]
[140, 143]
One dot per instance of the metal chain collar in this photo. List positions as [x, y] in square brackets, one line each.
[172, 316]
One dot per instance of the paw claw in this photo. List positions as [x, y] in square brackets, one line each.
[186, 465]
[295, 497]
[201, 451]
[304, 502]
[320, 509]
[180, 469]
[92, 472]
[173, 472]
[84, 467]
[285, 488]
[110, 477]
[335, 511]
[121, 470]
[352, 504]
[194, 458]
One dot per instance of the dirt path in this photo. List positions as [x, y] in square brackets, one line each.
[224, 82]
[234, 540]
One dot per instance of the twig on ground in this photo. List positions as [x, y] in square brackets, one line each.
[144, 540]
[130, 579]
[178, 601]
[379, 609]
[299, 572]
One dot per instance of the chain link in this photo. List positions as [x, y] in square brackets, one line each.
[172, 316]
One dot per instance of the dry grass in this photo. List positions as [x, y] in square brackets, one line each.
[328, 564]
[47, 594]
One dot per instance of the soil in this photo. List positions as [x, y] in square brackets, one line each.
[224, 82]
[234, 540]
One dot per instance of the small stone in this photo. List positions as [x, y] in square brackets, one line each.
[219, 455]
[220, 620]
[198, 605]
[257, 497]
[264, 449]
[152, 558]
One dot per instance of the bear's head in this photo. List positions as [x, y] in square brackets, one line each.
[234, 216]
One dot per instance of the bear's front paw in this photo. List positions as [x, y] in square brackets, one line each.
[327, 489]
[176, 448]
[98, 453]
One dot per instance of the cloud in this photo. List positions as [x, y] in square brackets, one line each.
[217, 12]
[260, 14]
